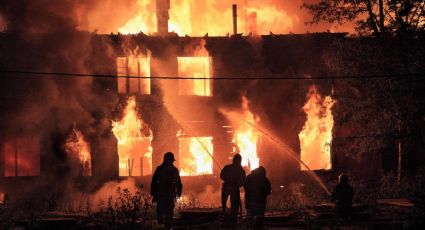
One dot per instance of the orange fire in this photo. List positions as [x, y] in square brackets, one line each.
[195, 156]
[77, 146]
[196, 18]
[134, 147]
[143, 21]
[246, 136]
[198, 68]
[316, 135]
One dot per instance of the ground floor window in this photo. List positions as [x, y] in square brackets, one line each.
[21, 157]
[195, 156]
[135, 158]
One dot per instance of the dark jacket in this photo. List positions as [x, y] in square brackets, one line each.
[343, 194]
[233, 176]
[257, 188]
[166, 181]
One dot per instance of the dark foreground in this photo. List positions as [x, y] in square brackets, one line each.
[388, 214]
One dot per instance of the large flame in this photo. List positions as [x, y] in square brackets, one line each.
[246, 136]
[134, 148]
[196, 18]
[195, 156]
[77, 146]
[316, 135]
[143, 21]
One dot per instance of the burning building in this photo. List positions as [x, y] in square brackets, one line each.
[171, 85]
[140, 95]
[168, 100]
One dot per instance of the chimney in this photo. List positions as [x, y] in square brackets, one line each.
[162, 16]
[235, 19]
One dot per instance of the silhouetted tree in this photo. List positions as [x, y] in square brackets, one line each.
[372, 114]
[372, 16]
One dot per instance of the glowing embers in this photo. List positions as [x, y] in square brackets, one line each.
[78, 150]
[132, 73]
[195, 156]
[316, 135]
[198, 68]
[134, 143]
[22, 157]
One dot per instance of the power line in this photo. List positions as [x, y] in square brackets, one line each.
[252, 77]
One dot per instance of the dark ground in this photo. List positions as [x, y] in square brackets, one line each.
[388, 214]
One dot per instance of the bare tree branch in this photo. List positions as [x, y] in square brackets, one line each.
[371, 16]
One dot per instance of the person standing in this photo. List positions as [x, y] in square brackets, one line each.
[342, 196]
[257, 188]
[233, 177]
[165, 188]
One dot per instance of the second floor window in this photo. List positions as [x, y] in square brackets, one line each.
[132, 73]
[198, 68]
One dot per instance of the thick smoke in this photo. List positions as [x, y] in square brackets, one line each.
[103, 16]
[42, 36]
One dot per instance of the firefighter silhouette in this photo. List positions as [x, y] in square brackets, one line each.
[233, 177]
[165, 188]
[342, 196]
[257, 188]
